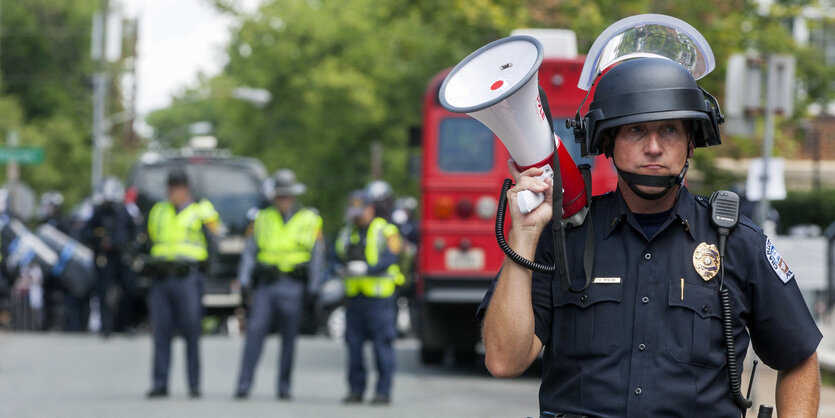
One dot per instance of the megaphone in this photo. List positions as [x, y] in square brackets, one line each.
[498, 85]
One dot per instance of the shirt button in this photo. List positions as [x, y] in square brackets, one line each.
[642, 347]
[638, 391]
[584, 298]
[705, 308]
[647, 256]
[645, 299]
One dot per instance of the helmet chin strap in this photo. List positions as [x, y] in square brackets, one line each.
[667, 182]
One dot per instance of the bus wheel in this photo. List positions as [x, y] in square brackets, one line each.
[465, 357]
[431, 356]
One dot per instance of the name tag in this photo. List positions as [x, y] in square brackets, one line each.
[606, 280]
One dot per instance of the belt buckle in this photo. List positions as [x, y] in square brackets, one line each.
[182, 269]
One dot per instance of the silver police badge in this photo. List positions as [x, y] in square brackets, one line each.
[706, 260]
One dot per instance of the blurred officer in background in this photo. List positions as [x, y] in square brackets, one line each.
[180, 231]
[77, 308]
[382, 195]
[289, 248]
[368, 249]
[404, 217]
[51, 211]
[110, 233]
[58, 305]
[247, 263]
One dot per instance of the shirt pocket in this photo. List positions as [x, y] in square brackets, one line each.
[588, 323]
[694, 325]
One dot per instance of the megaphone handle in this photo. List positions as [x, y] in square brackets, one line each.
[528, 200]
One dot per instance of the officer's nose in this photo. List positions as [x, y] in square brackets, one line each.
[652, 145]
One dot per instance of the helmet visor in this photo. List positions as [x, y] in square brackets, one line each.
[648, 35]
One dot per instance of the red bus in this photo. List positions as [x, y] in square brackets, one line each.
[463, 168]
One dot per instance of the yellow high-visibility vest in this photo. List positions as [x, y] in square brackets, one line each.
[382, 286]
[286, 245]
[179, 236]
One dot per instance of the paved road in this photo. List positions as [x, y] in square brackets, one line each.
[59, 375]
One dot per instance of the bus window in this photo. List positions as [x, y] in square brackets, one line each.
[465, 145]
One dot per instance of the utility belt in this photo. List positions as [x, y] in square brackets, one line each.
[265, 274]
[176, 268]
[560, 415]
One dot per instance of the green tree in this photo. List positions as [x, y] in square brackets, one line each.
[45, 90]
[730, 27]
[343, 74]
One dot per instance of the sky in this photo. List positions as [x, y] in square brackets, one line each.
[177, 40]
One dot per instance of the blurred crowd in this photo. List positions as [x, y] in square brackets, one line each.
[79, 269]
[71, 271]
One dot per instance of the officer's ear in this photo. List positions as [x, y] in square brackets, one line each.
[691, 142]
[608, 144]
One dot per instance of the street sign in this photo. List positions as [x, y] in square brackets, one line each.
[21, 155]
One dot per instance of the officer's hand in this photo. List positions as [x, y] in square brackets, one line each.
[356, 268]
[535, 220]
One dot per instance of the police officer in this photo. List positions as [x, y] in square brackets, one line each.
[289, 262]
[382, 195]
[368, 248]
[644, 337]
[110, 233]
[180, 231]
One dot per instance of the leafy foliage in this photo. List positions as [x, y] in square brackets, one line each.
[346, 74]
[807, 207]
[343, 75]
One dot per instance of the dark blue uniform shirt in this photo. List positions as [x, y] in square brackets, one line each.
[638, 342]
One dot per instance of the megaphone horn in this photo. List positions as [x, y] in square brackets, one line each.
[498, 86]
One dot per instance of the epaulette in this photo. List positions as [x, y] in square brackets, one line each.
[703, 200]
[748, 222]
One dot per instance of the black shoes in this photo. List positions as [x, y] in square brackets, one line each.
[284, 396]
[157, 393]
[241, 394]
[353, 398]
[154, 393]
[356, 398]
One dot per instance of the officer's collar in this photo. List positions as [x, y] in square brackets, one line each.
[185, 205]
[684, 212]
[289, 215]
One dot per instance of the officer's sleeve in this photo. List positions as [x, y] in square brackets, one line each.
[783, 332]
[209, 215]
[394, 242]
[386, 259]
[316, 271]
[247, 264]
[390, 256]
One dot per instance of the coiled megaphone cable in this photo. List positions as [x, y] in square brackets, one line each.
[505, 247]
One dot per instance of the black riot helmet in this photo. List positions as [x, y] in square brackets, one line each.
[647, 90]
[644, 90]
